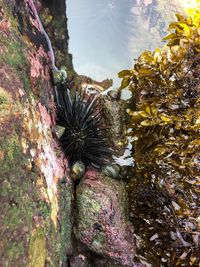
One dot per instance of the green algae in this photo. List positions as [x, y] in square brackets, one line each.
[21, 203]
[99, 242]
[37, 249]
[15, 250]
[19, 197]
[4, 100]
[21, 200]
[18, 208]
[89, 203]
[65, 220]
[14, 57]
[12, 149]
[14, 54]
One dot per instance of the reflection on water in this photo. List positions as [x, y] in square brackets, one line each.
[106, 35]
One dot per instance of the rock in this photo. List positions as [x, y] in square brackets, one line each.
[113, 111]
[102, 218]
[35, 187]
[79, 261]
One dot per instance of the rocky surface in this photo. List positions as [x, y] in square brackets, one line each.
[35, 189]
[102, 218]
[113, 111]
[149, 23]
[36, 192]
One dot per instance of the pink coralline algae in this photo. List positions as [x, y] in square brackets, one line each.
[33, 14]
[4, 25]
[37, 67]
[102, 222]
[52, 163]
[53, 166]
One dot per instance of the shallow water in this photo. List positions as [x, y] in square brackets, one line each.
[106, 35]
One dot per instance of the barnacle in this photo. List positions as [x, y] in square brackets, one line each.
[84, 138]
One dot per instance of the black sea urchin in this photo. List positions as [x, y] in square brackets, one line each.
[84, 137]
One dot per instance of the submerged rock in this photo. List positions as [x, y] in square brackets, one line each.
[102, 218]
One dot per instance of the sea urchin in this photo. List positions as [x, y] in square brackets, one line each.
[84, 137]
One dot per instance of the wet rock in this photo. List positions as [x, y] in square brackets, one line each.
[113, 112]
[102, 218]
[79, 261]
[35, 187]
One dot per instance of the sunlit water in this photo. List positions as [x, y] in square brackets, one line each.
[106, 35]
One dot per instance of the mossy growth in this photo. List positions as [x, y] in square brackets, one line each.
[26, 226]
[4, 100]
[24, 242]
[16, 208]
[164, 117]
[14, 55]
[65, 201]
[37, 249]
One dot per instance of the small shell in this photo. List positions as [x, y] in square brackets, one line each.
[59, 76]
[59, 130]
[77, 170]
[111, 170]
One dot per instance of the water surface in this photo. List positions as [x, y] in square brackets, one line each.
[106, 35]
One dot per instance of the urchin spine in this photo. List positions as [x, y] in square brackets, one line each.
[84, 138]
